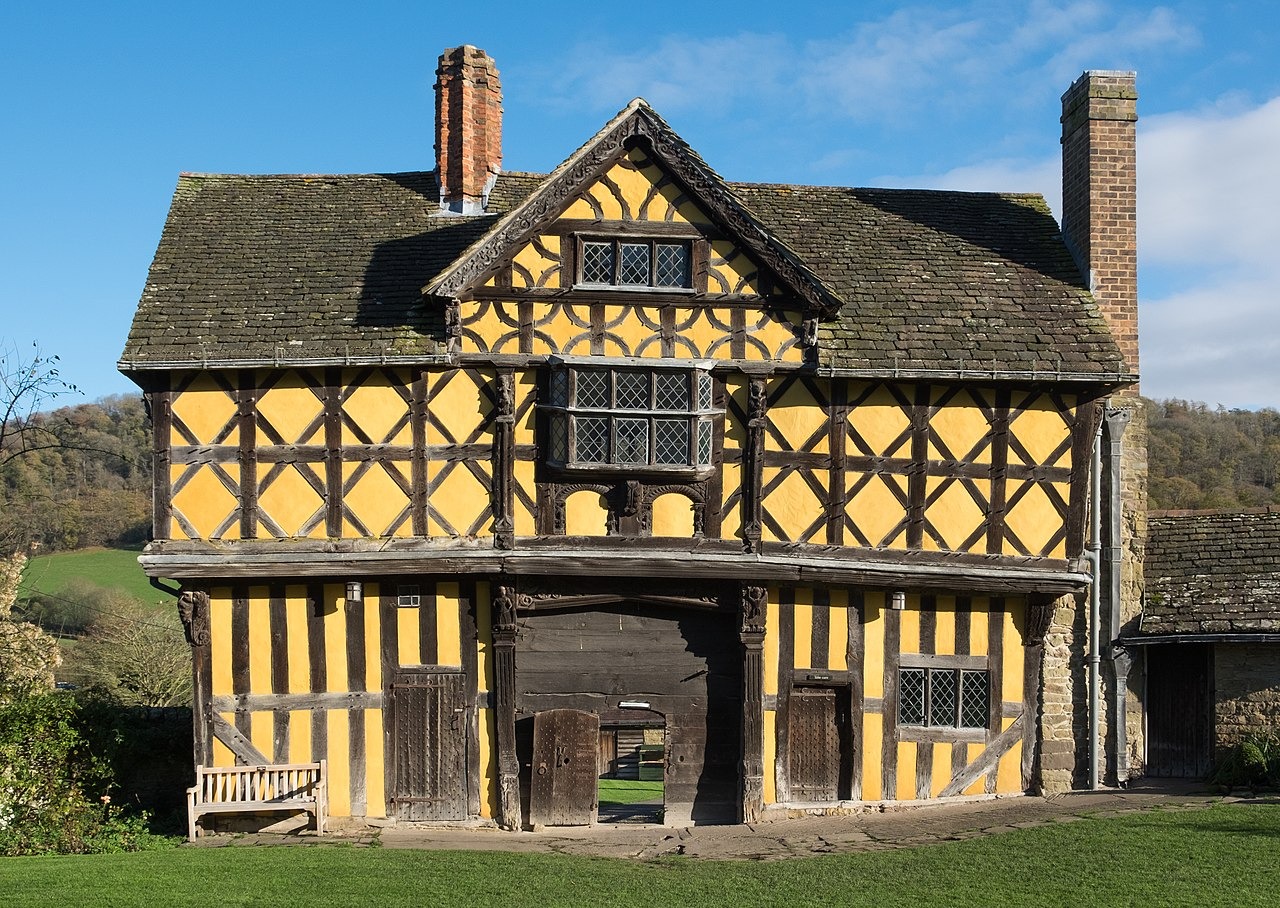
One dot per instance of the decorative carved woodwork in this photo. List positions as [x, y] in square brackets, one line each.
[193, 609]
[753, 462]
[752, 607]
[504, 456]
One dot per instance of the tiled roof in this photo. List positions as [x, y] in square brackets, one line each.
[285, 269]
[1212, 572]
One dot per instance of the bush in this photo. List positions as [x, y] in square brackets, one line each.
[54, 793]
[1253, 763]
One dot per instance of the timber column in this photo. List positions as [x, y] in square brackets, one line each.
[504, 704]
[752, 612]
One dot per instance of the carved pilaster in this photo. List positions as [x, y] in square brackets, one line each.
[752, 606]
[504, 457]
[504, 703]
[753, 465]
[193, 609]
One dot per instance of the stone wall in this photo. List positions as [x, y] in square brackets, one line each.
[1247, 684]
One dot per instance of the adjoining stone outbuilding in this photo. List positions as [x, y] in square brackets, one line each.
[1210, 630]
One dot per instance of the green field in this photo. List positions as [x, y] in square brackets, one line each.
[1223, 855]
[108, 568]
[628, 791]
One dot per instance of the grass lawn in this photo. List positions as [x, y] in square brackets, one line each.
[1225, 855]
[628, 791]
[104, 567]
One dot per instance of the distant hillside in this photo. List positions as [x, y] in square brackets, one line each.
[1202, 457]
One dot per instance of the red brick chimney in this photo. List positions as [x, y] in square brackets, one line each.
[1099, 196]
[468, 128]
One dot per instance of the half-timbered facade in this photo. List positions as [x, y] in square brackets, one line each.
[461, 476]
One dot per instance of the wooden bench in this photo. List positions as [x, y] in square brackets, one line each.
[257, 789]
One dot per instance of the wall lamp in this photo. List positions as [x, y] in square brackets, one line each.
[355, 591]
[898, 601]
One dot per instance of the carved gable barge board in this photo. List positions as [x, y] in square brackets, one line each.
[636, 123]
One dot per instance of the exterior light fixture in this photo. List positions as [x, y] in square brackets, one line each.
[898, 601]
[355, 591]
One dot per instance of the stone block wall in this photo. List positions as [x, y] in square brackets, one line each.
[1247, 692]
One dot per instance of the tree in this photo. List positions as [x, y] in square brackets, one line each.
[136, 656]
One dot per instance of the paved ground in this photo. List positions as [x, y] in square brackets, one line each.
[874, 830]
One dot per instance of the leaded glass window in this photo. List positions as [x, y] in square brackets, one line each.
[943, 697]
[636, 263]
[630, 417]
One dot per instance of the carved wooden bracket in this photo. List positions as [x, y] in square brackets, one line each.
[752, 609]
[193, 609]
[1039, 617]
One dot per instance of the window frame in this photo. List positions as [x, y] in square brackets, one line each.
[617, 242]
[934, 725]
[562, 414]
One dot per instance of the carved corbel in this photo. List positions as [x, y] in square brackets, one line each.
[193, 609]
[752, 607]
[1039, 617]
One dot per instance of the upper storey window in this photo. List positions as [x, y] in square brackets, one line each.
[631, 262]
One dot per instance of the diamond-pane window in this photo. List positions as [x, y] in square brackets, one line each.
[593, 390]
[559, 389]
[704, 390]
[631, 440]
[671, 265]
[592, 439]
[943, 697]
[559, 439]
[633, 390]
[974, 699]
[911, 696]
[634, 264]
[672, 391]
[672, 441]
[704, 442]
[597, 263]
[637, 263]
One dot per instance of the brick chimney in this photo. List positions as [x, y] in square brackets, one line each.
[1099, 196]
[468, 128]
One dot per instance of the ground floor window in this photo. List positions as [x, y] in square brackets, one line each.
[943, 697]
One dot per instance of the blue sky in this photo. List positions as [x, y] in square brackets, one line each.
[102, 105]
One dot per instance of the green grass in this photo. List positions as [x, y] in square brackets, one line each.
[110, 568]
[627, 791]
[1223, 855]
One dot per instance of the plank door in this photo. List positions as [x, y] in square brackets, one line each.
[429, 737]
[1179, 710]
[565, 781]
[815, 736]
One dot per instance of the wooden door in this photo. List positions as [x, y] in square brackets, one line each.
[1179, 710]
[429, 738]
[815, 739]
[564, 784]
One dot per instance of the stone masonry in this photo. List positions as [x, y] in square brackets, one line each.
[1247, 702]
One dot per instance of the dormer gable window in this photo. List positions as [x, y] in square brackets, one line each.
[634, 263]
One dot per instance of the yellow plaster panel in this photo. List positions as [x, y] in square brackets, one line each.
[262, 733]
[372, 636]
[875, 510]
[909, 626]
[838, 636]
[954, 515]
[290, 407]
[448, 625]
[376, 408]
[1013, 650]
[205, 409]
[771, 338]
[872, 735]
[290, 501]
[632, 331]
[484, 636]
[220, 640]
[489, 326]
[703, 332]
[488, 763]
[579, 210]
[408, 635]
[533, 268]
[907, 751]
[459, 498]
[731, 482]
[881, 422]
[1039, 429]
[566, 330]
[945, 621]
[941, 769]
[1034, 520]
[803, 626]
[633, 185]
[730, 270]
[457, 404]
[735, 433]
[873, 647]
[978, 627]
[794, 506]
[526, 389]
[295, 619]
[799, 419]
[376, 501]
[300, 735]
[205, 501]
[770, 756]
[335, 636]
[339, 787]
[1009, 770]
[673, 516]
[585, 514]
[222, 755]
[374, 761]
[769, 653]
[525, 524]
[959, 425]
[260, 642]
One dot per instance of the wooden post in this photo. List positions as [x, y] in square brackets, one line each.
[504, 703]
[504, 457]
[753, 463]
[753, 603]
[193, 609]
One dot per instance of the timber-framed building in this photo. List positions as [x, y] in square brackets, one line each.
[469, 476]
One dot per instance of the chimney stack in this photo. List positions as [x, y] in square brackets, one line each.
[1099, 196]
[468, 128]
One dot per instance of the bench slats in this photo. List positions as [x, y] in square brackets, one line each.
[250, 789]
